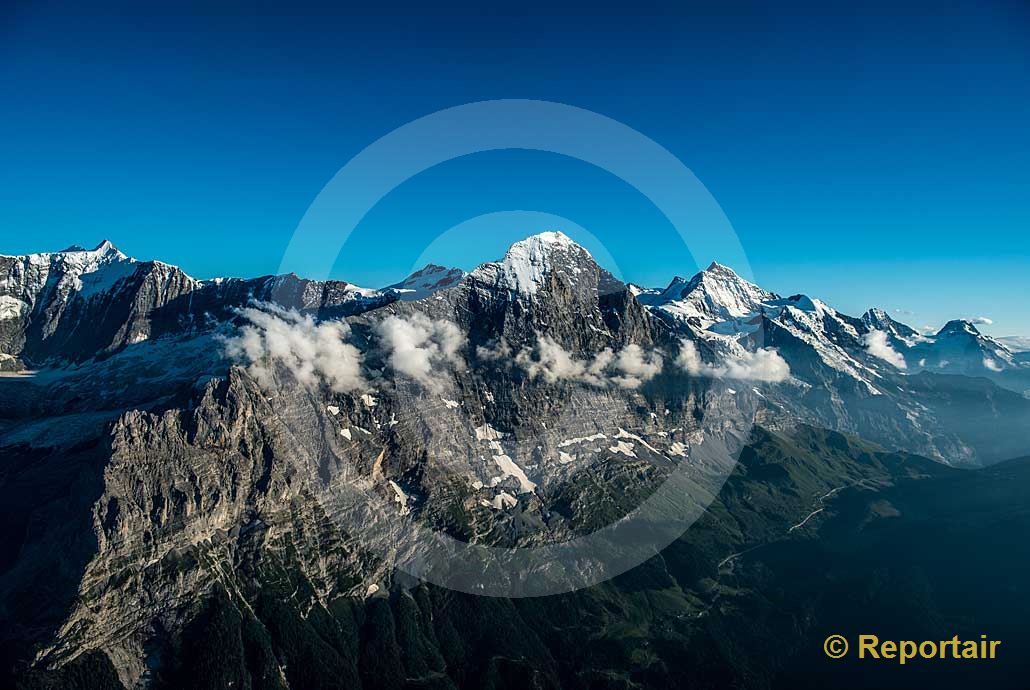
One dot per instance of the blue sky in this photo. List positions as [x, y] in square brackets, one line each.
[873, 155]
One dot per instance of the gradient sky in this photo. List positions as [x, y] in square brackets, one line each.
[867, 155]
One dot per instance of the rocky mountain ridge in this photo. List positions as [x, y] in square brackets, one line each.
[75, 305]
[840, 374]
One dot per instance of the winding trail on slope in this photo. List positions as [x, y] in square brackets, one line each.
[807, 518]
[821, 500]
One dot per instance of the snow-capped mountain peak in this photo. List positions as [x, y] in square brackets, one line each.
[550, 237]
[75, 269]
[94, 271]
[527, 263]
[425, 282]
[713, 295]
[717, 268]
[959, 347]
[957, 327]
[880, 320]
[107, 249]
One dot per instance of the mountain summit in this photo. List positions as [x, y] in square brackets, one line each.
[529, 264]
[880, 320]
[715, 294]
[958, 327]
[425, 281]
[107, 248]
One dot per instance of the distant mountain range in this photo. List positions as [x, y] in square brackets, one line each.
[44, 296]
[718, 304]
[210, 482]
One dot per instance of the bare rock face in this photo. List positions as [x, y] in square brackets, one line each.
[217, 496]
[186, 494]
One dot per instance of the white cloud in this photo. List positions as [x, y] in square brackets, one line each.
[416, 345]
[1016, 343]
[982, 321]
[498, 350]
[633, 366]
[689, 359]
[764, 364]
[991, 364]
[553, 363]
[629, 368]
[312, 351]
[877, 345]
